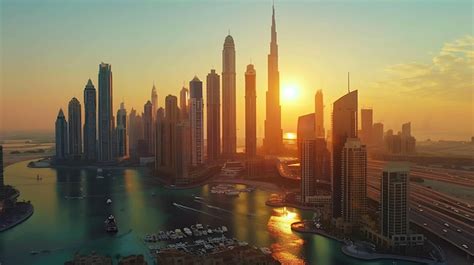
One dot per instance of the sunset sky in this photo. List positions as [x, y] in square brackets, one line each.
[410, 60]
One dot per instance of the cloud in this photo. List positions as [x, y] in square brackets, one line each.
[450, 74]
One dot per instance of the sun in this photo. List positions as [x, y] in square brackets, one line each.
[290, 92]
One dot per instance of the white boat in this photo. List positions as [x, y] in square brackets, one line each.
[109, 201]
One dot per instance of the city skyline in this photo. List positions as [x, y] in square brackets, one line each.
[441, 57]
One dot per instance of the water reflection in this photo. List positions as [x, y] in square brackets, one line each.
[287, 244]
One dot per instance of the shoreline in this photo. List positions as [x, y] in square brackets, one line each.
[20, 219]
[348, 251]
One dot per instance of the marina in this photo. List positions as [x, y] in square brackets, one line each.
[196, 240]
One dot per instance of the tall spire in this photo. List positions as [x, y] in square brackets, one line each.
[274, 37]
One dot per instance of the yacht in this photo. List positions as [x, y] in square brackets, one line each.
[232, 169]
[110, 224]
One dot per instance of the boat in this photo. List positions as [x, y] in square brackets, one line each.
[266, 251]
[110, 224]
[153, 194]
[232, 193]
[34, 252]
[109, 201]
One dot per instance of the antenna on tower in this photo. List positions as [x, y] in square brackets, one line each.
[348, 83]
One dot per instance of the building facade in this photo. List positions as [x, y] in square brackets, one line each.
[148, 127]
[61, 136]
[394, 199]
[354, 182]
[122, 132]
[366, 116]
[273, 141]
[229, 117]
[344, 126]
[250, 112]
[196, 122]
[105, 113]
[213, 116]
[319, 114]
[75, 129]
[90, 122]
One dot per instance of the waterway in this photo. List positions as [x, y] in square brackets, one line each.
[64, 224]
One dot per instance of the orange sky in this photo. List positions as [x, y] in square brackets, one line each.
[419, 72]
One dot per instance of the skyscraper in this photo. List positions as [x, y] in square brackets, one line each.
[213, 116]
[406, 129]
[229, 118]
[159, 136]
[132, 132]
[122, 137]
[196, 122]
[61, 136]
[183, 152]
[147, 127]
[319, 114]
[75, 129]
[273, 141]
[377, 134]
[169, 133]
[105, 113]
[90, 122]
[154, 101]
[366, 116]
[344, 126]
[184, 103]
[250, 112]
[394, 199]
[354, 181]
[315, 165]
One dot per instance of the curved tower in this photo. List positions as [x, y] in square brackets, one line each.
[344, 126]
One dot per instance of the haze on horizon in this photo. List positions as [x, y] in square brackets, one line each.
[410, 61]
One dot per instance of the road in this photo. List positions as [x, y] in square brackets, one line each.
[433, 210]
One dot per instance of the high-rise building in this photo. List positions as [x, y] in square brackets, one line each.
[305, 130]
[315, 163]
[61, 136]
[344, 126]
[319, 114]
[213, 116]
[105, 113]
[229, 118]
[160, 138]
[154, 101]
[273, 141]
[169, 130]
[196, 122]
[354, 181]
[183, 152]
[147, 127]
[75, 129]
[122, 137]
[90, 122]
[132, 132]
[394, 199]
[406, 129]
[377, 134]
[250, 111]
[184, 103]
[366, 116]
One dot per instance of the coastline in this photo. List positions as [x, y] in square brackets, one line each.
[20, 219]
[349, 250]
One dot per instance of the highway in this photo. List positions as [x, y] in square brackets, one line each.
[446, 216]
